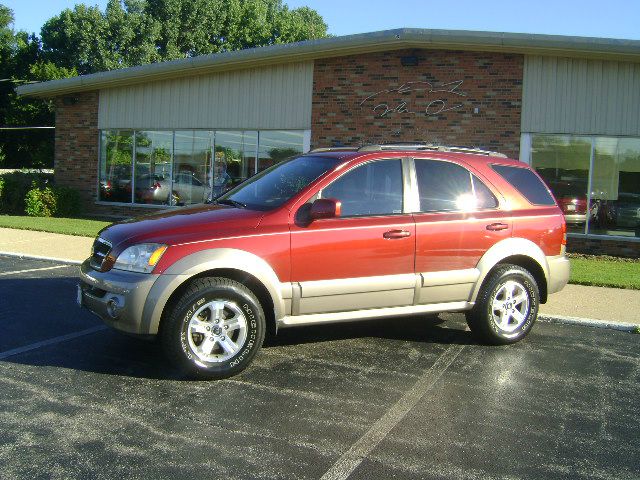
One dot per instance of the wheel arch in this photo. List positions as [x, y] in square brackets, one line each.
[516, 251]
[238, 265]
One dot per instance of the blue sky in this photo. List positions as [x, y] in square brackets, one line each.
[591, 18]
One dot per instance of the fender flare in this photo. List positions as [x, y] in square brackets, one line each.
[508, 248]
[202, 261]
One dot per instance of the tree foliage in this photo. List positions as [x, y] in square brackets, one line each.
[127, 33]
[22, 60]
[135, 32]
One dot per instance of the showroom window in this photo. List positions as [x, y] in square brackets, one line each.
[116, 161]
[186, 167]
[596, 181]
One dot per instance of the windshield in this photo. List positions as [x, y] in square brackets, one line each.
[279, 183]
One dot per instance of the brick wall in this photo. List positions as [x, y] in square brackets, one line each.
[76, 157]
[440, 111]
[596, 246]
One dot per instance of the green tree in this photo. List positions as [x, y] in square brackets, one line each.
[89, 40]
[85, 40]
[21, 62]
[135, 32]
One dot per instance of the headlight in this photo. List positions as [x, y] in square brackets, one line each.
[140, 258]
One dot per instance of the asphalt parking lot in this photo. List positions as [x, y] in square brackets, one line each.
[410, 398]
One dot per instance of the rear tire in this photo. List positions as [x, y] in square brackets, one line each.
[214, 330]
[507, 306]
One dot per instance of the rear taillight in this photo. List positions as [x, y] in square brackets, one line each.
[564, 232]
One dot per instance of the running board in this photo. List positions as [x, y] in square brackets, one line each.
[316, 318]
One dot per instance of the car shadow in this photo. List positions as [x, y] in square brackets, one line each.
[50, 304]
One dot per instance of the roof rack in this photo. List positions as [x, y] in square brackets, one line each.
[412, 146]
[430, 147]
[334, 149]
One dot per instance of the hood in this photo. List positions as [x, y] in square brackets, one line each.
[195, 223]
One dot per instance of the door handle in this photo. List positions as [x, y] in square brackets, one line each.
[494, 227]
[393, 234]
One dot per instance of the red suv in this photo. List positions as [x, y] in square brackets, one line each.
[334, 235]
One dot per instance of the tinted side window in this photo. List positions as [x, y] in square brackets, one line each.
[484, 197]
[442, 185]
[527, 183]
[371, 189]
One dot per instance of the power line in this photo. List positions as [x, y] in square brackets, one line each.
[26, 128]
[17, 80]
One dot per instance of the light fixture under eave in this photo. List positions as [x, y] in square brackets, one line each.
[409, 61]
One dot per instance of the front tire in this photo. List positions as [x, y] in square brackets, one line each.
[507, 306]
[214, 330]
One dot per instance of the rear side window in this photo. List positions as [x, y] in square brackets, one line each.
[527, 183]
[484, 197]
[442, 185]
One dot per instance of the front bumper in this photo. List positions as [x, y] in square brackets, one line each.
[559, 270]
[116, 296]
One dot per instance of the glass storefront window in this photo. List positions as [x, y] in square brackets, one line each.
[276, 146]
[235, 159]
[186, 167]
[191, 166]
[563, 162]
[603, 200]
[615, 187]
[116, 160]
[152, 178]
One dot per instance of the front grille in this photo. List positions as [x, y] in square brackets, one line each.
[99, 252]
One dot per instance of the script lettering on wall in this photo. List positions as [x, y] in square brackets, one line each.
[440, 98]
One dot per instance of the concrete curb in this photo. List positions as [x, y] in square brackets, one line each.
[39, 257]
[590, 322]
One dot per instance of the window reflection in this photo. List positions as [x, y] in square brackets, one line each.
[615, 187]
[563, 162]
[235, 159]
[276, 146]
[185, 167]
[152, 180]
[601, 201]
[191, 166]
[116, 159]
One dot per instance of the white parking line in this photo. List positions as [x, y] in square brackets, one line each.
[353, 457]
[15, 272]
[51, 341]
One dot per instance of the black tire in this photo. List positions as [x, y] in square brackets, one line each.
[199, 309]
[498, 327]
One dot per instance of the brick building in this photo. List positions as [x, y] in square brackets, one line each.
[175, 133]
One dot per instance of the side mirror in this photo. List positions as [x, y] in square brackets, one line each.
[325, 208]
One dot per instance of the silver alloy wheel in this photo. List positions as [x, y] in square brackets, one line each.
[217, 331]
[510, 306]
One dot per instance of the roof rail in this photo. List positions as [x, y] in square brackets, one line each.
[334, 149]
[430, 147]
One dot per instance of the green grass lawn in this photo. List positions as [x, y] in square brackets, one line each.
[68, 226]
[605, 272]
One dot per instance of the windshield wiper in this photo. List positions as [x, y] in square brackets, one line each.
[233, 203]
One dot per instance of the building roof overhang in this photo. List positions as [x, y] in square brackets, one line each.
[405, 38]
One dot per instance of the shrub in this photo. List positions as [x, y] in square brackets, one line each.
[14, 187]
[68, 202]
[52, 202]
[40, 202]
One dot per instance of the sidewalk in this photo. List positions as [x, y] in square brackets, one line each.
[43, 244]
[574, 301]
[598, 303]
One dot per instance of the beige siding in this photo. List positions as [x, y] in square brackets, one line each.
[276, 97]
[580, 96]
